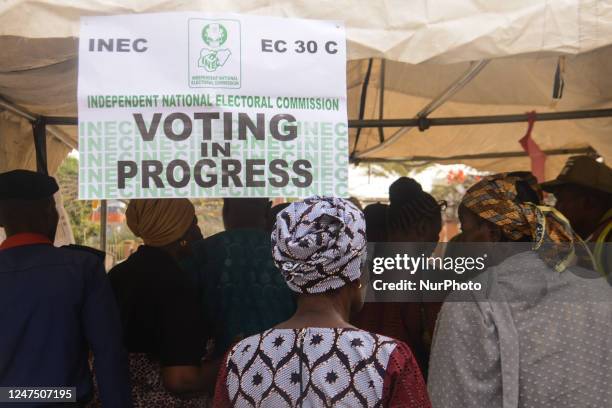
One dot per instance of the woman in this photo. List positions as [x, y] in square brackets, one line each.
[413, 217]
[539, 332]
[316, 358]
[162, 326]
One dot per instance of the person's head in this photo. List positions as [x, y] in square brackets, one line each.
[319, 246]
[491, 209]
[583, 191]
[169, 224]
[27, 204]
[583, 206]
[376, 220]
[505, 208]
[251, 213]
[274, 211]
[413, 214]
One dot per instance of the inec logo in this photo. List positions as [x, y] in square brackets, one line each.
[214, 53]
[214, 35]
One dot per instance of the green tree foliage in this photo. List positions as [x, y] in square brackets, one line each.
[86, 232]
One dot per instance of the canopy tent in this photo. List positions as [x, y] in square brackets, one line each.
[406, 59]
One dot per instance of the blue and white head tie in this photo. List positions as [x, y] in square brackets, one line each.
[319, 244]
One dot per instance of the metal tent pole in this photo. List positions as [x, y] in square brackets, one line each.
[21, 112]
[551, 152]
[39, 130]
[103, 223]
[438, 101]
[425, 123]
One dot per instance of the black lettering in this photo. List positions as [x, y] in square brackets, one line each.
[169, 131]
[280, 46]
[277, 168]
[230, 168]
[266, 45]
[125, 170]
[140, 48]
[225, 149]
[206, 118]
[300, 168]
[92, 44]
[251, 172]
[147, 134]
[152, 169]
[227, 125]
[311, 46]
[104, 44]
[123, 45]
[300, 48]
[197, 173]
[330, 47]
[291, 131]
[170, 173]
[244, 122]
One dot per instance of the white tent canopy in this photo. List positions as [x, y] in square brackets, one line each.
[461, 57]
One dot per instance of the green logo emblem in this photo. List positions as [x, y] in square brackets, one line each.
[214, 35]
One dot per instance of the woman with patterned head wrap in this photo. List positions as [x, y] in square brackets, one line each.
[316, 358]
[162, 323]
[538, 331]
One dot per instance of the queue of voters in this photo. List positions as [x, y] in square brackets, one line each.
[256, 318]
[331, 204]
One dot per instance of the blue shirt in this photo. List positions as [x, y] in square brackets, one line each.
[55, 306]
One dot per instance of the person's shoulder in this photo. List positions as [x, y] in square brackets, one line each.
[80, 257]
[358, 338]
[247, 347]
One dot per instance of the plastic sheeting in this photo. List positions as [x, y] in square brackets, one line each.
[426, 45]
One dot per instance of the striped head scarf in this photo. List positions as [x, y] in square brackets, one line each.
[496, 199]
[319, 244]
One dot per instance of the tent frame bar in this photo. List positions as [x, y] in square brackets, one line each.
[457, 85]
[552, 152]
[32, 118]
[425, 123]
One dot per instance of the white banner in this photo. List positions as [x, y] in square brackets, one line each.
[208, 105]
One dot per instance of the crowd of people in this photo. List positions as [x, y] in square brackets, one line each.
[270, 312]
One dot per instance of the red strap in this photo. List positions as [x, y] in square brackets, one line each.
[537, 156]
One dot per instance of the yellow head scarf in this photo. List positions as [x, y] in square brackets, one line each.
[160, 222]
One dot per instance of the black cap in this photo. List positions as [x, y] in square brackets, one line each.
[26, 185]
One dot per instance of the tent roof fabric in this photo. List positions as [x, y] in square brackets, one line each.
[426, 47]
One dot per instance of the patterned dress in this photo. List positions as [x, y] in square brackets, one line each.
[320, 367]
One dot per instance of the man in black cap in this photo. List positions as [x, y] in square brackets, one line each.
[583, 191]
[55, 304]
